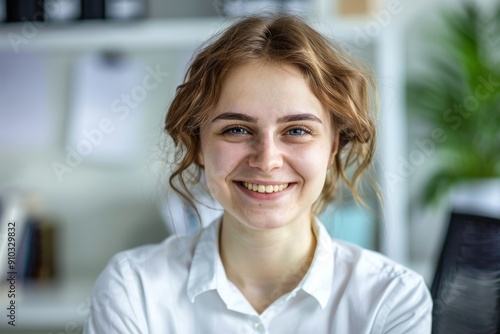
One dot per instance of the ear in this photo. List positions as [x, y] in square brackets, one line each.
[199, 158]
[335, 147]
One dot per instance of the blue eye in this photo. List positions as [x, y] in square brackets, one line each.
[235, 131]
[298, 131]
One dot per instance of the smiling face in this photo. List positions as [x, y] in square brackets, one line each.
[266, 147]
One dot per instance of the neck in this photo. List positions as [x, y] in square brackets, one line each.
[266, 263]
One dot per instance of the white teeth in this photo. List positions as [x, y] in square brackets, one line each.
[265, 188]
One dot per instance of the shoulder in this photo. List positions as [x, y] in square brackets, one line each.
[397, 294]
[377, 275]
[363, 262]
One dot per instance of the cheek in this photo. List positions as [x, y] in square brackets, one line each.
[214, 177]
[312, 162]
[220, 160]
[312, 166]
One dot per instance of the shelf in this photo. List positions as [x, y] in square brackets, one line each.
[137, 35]
[141, 35]
[51, 305]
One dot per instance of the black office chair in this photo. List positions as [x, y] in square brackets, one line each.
[466, 287]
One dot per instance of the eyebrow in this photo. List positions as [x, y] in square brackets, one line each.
[250, 119]
[235, 116]
[299, 117]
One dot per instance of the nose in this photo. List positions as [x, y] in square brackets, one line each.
[267, 154]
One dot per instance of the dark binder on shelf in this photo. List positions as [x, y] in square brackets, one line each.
[36, 255]
[46, 270]
[3, 11]
[24, 10]
[24, 256]
[34, 260]
[93, 9]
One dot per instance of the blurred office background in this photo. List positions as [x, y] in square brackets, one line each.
[83, 163]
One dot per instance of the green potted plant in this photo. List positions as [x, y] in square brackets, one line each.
[459, 97]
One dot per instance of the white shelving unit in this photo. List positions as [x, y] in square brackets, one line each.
[140, 35]
[85, 36]
[63, 305]
[56, 306]
[392, 144]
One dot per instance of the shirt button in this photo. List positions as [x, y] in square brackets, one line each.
[257, 326]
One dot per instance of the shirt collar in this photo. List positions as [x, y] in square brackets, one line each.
[207, 272]
[318, 280]
[202, 273]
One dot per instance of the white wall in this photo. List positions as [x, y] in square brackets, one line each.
[111, 208]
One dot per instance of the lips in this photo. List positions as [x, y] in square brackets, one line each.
[265, 188]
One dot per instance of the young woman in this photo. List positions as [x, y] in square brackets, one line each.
[271, 116]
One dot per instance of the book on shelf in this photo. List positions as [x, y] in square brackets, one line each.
[23, 10]
[113, 9]
[70, 10]
[125, 9]
[36, 256]
[357, 7]
[3, 11]
[27, 242]
[93, 9]
[47, 269]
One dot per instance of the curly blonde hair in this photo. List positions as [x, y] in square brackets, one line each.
[340, 82]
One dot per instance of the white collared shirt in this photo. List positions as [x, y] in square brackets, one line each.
[180, 286]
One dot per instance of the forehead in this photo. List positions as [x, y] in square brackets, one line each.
[267, 90]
